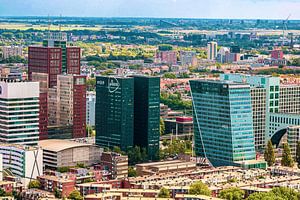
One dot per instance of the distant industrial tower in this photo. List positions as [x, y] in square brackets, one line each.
[212, 50]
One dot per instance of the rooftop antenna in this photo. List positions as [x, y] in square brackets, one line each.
[49, 24]
[284, 28]
[60, 23]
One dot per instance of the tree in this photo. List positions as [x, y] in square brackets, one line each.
[63, 169]
[107, 72]
[162, 127]
[269, 154]
[34, 184]
[298, 153]
[134, 155]
[263, 196]
[2, 192]
[199, 188]
[117, 149]
[164, 193]
[165, 47]
[75, 195]
[80, 165]
[57, 193]
[169, 75]
[131, 172]
[286, 193]
[89, 130]
[91, 84]
[232, 194]
[144, 155]
[277, 193]
[287, 159]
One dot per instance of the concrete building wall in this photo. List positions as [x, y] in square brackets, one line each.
[9, 51]
[258, 100]
[289, 101]
[90, 108]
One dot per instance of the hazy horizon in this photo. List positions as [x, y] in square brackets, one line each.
[194, 9]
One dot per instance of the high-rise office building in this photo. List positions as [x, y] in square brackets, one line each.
[68, 102]
[223, 123]
[147, 114]
[114, 111]
[19, 112]
[224, 55]
[188, 58]
[212, 50]
[45, 60]
[54, 58]
[48, 62]
[23, 161]
[90, 108]
[166, 57]
[258, 100]
[42, 78]
[128, 112]
[275, 107]
[9, 51]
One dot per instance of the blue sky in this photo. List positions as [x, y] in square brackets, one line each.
[266, 9]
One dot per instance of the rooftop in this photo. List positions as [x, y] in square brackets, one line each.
[225, 82]
[59, 145]
[19, 146]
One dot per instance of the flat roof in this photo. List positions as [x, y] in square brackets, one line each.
[19, 146]
[160, 163]
[227, 82]
[57, 145]
[196, 196]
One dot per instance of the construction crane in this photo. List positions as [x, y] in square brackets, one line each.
[284, 29]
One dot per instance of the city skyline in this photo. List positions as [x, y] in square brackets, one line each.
[248, 9]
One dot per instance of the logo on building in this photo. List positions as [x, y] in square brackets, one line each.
[113, 84]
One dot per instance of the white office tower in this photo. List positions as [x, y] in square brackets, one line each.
[212, 50]
[19, 112]
[90, 108]
[21, 161]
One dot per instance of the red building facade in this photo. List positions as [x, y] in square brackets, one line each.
[79, 106]
[277, 54]
[45, 60]
[48, 60]
[73, 60]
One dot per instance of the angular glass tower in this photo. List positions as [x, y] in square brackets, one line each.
[223, 122]
[114, 111]
[147, 114]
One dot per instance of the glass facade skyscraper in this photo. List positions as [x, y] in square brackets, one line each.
[147, 114]
[114, 111]
[128, 113]
[223, 122]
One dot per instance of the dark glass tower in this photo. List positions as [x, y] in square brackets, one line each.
[114, 111]
[147, 114]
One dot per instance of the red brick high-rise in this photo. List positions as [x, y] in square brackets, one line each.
[46, 60]
[277, 54]
[55, 58]
[73, 60]
[79, 106]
